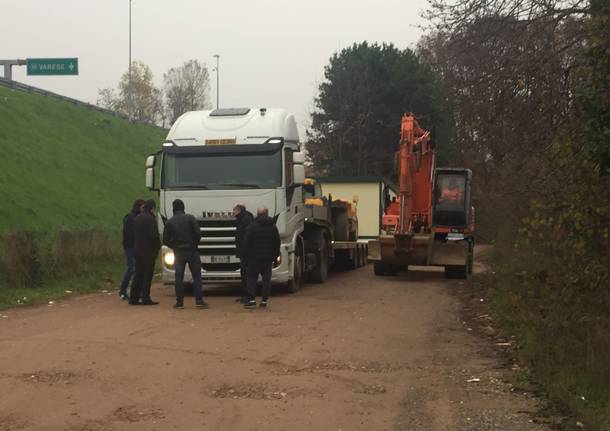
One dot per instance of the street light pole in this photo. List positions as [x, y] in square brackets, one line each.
[129, 84]
[217, 57]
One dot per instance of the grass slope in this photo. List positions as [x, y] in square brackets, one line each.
[63, 166]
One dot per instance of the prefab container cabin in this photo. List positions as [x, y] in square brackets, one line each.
[373, 193]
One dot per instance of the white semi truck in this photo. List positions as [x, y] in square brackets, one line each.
[213, 160]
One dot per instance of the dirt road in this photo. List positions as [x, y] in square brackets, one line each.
[357, 353]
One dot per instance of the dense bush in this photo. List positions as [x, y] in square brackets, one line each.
[28, 259]
[529, 83]
[552, 286]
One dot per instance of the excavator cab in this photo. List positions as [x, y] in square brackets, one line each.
[451, 198]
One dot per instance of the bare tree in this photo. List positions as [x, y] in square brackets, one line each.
[509, 71]
[107, 98]
[138, 97]
[187, 88]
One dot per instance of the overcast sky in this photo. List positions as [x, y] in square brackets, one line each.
[272, 52]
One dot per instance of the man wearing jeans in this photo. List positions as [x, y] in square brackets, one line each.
[182, 235]
[128, 245]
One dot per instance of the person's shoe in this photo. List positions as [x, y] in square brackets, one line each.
[250, 304]
[202, 305]
[179, 305]
[263, 304]
[150, 302]
[123, 296]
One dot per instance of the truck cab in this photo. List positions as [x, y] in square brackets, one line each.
[213, 160]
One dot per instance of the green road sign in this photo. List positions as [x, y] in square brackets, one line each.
[52, 66]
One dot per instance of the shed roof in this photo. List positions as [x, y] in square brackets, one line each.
[358, 179]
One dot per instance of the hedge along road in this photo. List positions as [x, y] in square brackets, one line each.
[357, 353]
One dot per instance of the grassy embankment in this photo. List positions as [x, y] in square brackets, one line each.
[67, 175]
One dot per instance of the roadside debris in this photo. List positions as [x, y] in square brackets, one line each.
[473, 380]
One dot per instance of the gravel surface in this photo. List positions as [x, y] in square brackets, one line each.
[357, 353]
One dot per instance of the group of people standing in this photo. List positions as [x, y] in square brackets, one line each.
[257, 243]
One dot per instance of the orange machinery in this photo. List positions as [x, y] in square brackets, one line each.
[431, 221]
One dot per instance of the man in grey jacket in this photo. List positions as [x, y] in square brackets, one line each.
[182, 235]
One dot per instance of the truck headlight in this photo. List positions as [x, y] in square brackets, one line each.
[169, 258]
[278, 261]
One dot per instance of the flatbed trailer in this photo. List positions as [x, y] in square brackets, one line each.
[330, 237]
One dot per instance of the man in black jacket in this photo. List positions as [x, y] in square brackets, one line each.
[146, 249]
[261, 248]
[182, 235]
[128, 240]
[244, 218]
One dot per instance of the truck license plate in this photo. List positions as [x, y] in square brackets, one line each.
[220, 259]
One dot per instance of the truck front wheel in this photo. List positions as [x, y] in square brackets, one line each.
[297, 275]
[320, 273]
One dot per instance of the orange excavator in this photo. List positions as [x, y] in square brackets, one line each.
[431, 221]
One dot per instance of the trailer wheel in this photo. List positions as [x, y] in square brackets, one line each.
[297, 277]
[379, 269]
[456, 271]
[342, 227]
[391, 270]
[470, 258]
[352, 257]
[320, 273]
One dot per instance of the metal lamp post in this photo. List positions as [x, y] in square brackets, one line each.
[217, 57]
[129, 91]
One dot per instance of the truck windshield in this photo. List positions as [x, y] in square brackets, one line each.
[222, 171]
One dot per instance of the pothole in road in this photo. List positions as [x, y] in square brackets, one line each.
[370, 389]
[53, 377]
[12, 423]
[365, 367]
[372, 367]
[137, 414]
[91, 425]
[252, 391]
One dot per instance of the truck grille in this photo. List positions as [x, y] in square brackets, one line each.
[218, 239]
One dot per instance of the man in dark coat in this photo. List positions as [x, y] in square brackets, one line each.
[244, 218]
[146, 249]
[128, 243]
[182, 235]
[261, 248]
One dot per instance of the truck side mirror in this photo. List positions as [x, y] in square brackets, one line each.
[298, 174]
[298, 167]
[151, 161]
[150, 178]
[298, 158]
[150, 172]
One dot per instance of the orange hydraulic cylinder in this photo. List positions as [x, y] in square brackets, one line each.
[416, 163]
